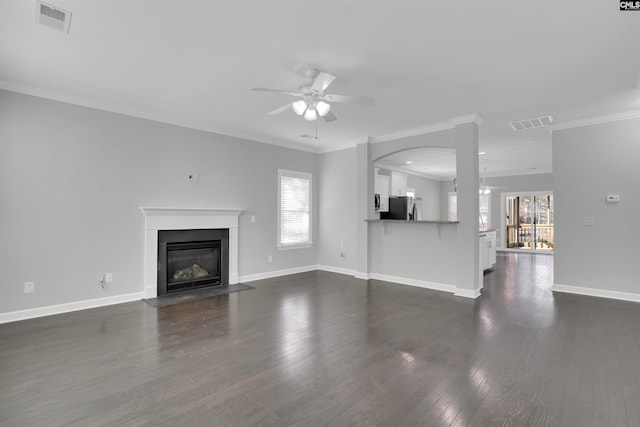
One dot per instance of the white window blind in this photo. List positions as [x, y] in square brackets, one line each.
[294, 208]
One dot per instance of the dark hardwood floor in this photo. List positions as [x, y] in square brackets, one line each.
[325, 349]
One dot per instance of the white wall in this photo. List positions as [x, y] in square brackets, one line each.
[448, 258]
[589, 163]
[429, 191]
[73, 179]
[337, 210]
[417, 252]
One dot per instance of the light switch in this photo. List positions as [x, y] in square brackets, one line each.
[253, 219]
[29, 287]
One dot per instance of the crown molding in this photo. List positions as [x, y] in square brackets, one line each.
[330, 149]
[598, 120]
[159, 118]
[120, 109]
[363, 140]
[470, 118]
[437, 127]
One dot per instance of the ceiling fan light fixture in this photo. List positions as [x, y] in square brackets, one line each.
[322, 108]
[299, 107]
[311, 113]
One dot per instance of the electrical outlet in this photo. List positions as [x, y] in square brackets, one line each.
[29, 287]
[108, 277]
[269, 258]
[193, 177]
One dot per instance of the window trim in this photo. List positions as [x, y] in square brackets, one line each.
[294, 174]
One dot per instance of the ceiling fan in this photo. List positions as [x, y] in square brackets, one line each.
[484, 188]
[314, 102]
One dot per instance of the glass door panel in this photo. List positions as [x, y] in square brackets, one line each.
[543, 230]
[527, 215]
[529, 222]
[512, 224]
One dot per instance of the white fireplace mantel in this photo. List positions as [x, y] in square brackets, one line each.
[185, 219]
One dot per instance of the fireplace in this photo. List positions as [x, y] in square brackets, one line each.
[164, 219]
[192, 259]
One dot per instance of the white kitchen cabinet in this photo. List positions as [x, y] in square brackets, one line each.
[487, 249]
[398, 184]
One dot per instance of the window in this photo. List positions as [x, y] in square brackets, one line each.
[485, 211]
[411, 192]
[294, 209]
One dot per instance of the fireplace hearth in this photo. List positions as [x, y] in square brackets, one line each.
[192, 259]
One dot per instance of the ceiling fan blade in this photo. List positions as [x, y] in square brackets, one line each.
[280, 109]
[285, 92]
[329, 117]
[322, 81]
[366, 100]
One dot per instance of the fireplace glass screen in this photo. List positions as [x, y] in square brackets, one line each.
[192, 264]
[191, 259]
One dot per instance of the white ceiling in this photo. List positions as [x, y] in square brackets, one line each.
[192, 63]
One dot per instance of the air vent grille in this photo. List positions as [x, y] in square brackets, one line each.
[51, 16]
[52, 13]
[536, 122]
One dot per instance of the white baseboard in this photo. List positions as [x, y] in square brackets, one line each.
[339, 270]
[592, 292]
[14, 316]
[467, 293]
[414, 282]
[276, 273]
[118, 299]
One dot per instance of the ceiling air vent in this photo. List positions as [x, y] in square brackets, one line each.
[54, 17]
[536, 122]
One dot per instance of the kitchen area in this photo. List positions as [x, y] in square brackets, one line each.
[413, 187]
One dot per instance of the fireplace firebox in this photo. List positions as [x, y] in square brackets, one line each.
[192, 259]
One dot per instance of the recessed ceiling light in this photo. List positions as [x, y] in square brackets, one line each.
[408, 162]
[482, 152]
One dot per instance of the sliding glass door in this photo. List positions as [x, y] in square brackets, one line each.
[528, 221]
